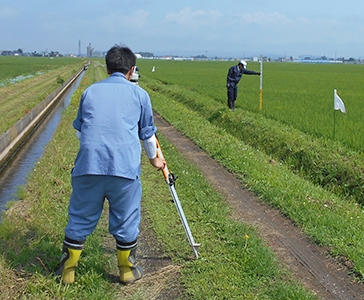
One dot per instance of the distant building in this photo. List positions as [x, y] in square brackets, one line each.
[90, 50]
[96, 53]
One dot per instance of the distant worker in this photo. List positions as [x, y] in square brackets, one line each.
[233, 78]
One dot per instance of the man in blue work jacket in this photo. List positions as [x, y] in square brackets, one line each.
[113, 116]
[234, 75]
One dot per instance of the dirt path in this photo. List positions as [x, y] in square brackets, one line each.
[309, 263]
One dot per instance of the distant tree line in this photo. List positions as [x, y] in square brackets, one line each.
[146, 54]
[20, 52]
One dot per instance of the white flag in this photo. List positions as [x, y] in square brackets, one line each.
[338, 103]
[153, 70]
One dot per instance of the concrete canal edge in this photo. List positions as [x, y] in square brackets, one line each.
[12, 139]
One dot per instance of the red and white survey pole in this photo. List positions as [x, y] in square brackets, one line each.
[261, 82]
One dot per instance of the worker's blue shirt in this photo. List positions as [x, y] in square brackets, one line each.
[113, 116]
[235, 74]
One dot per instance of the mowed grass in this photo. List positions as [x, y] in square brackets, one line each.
[298, 95]
[234, 262]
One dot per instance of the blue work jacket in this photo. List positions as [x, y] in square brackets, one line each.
[235, 74]
[113, 116]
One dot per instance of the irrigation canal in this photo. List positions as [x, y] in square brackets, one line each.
[14, 175]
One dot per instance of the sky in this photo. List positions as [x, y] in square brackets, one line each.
[230, 28]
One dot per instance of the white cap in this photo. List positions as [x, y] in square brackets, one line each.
[243, 62]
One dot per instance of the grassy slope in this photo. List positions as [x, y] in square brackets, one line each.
[326, 217]
[234, 262]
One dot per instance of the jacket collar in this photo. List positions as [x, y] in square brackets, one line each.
[118, 74]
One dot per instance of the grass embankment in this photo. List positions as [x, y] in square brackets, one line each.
[328, 218]
[17, 99]
[234, 262]
[321, 161]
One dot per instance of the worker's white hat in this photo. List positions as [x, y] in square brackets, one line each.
[243, 62]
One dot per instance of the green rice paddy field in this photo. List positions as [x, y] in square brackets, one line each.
[299, 95]
[318, 183]
[14, 66]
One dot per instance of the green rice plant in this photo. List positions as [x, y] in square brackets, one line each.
[15, 66]
[320, 160]
[328, 219]
[234, 262]
[18, 99]
[298, 95]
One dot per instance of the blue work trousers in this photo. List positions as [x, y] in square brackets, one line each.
[232, 93]
[86, 205]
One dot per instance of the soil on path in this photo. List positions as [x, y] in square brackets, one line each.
[309, 263]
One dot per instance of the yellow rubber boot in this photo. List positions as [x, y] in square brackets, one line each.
[68, 264]
[129, 272]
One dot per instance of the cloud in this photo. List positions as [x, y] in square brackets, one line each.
[194, 19]
[264, 19]
[116, 22]
[8, 13]
[136, 20]
[278, 28]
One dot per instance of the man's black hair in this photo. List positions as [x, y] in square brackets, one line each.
[120, 59]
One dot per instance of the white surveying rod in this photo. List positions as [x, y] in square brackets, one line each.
[261, 82]
[170, 179]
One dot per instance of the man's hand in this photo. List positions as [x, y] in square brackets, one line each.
[158, 163]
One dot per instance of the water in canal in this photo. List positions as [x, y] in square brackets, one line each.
[15, 173]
